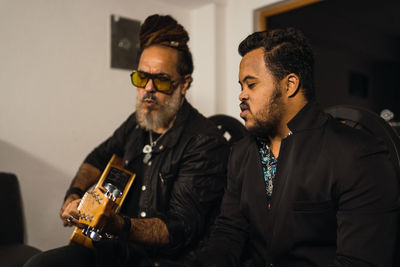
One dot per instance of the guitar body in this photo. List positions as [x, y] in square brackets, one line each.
[99, 201]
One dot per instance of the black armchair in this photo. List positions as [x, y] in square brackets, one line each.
[13, 250]
[229, 127]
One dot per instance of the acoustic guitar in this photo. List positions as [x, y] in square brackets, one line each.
[100, 200]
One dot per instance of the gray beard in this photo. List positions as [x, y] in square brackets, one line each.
[164, 116]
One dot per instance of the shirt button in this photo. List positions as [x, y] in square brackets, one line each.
[126, 162]
[161, 147]
[143, 214]
[149, 164]
[143, 188]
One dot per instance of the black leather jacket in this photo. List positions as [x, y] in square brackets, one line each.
[184, 180]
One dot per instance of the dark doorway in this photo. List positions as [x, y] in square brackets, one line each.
[357, 50]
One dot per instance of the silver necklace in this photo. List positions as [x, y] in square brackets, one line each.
[148, 149]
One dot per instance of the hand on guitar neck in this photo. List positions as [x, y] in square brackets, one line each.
[69, 211]
[113, 223]
[95, 215]
[86, 176]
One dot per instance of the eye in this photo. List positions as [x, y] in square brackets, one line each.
[251, 85]
[142, 75]
[164, 78]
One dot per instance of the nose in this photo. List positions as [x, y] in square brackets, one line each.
[243, 96]
[149, 86]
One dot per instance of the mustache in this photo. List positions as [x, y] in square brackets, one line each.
[150, 96]
[244, 106]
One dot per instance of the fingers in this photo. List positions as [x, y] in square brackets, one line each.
[66, 203]
[70, 221]
[70, 214]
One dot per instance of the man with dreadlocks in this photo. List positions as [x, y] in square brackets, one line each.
[176, 153]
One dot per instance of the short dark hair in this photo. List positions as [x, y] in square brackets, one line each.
[165, 30]
[285, 51]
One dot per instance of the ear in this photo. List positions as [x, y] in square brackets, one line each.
[186, 85]
[292, 84]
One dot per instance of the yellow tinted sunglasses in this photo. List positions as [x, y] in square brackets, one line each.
[162, 82]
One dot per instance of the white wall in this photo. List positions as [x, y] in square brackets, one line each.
[59, 97]
[217, 29]
[203, 45]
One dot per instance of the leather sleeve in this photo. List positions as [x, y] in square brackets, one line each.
[197, 191]
[229, 235]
